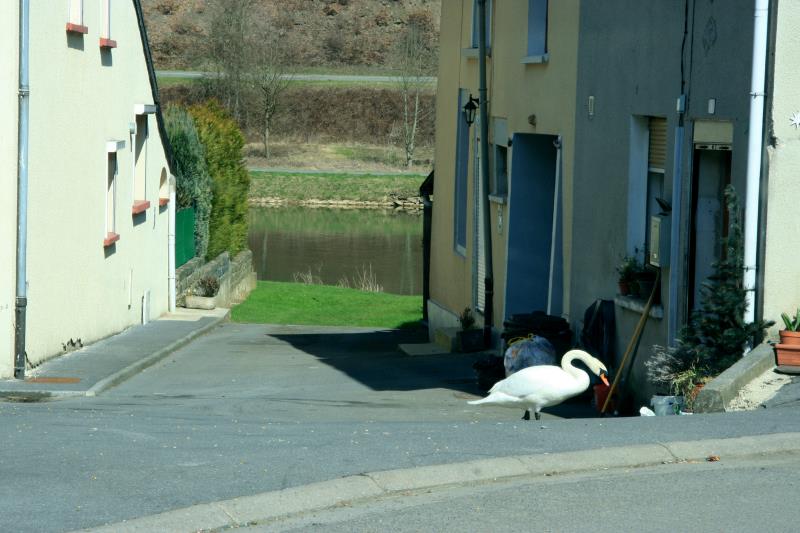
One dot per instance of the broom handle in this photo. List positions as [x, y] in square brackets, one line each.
[632, 342]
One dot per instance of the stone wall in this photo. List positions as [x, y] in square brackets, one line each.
[236, 278]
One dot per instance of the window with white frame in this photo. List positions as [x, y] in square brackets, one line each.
[110, 235]
[475, 36]
[75, 16]
[656, 163]
[140, 204]
[537, 28]
[106, 41]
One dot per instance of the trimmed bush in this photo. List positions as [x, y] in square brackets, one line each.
[193, 182]
[223, 143]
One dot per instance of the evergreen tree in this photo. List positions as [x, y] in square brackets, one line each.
[716, 333]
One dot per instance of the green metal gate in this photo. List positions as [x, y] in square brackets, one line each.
[184, 236]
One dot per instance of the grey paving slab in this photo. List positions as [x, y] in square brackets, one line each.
[107, 362]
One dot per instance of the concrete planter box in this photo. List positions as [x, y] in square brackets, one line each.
[200, 302]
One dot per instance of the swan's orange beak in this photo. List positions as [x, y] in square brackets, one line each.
[604, 379]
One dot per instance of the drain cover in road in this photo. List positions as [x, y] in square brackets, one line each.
[46, 379]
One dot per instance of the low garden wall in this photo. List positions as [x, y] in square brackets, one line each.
[236, 277]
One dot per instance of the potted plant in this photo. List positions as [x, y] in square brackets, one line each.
[203, 295]
[646, 281]
[787, 353]
[626, 274]
[470, 338]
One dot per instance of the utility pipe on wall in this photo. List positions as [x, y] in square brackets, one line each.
[754, 153]
[488, 314]
[21, 301]
[171, 245]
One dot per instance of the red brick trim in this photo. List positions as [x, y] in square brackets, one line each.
[76, 28]
[107, 43]
[163, 201]
[110, 239]
[140, 206]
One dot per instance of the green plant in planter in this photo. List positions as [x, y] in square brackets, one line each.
[792, 324]
[627, 271]
[716, 334]
[466, 319]
[207, 286]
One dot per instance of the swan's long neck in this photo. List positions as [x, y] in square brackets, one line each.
[580, 376]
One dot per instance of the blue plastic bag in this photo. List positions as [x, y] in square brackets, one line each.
[529, 351]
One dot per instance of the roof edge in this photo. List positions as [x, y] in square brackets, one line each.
[151, 73]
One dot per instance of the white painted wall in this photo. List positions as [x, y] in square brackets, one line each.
[782, 263]
[9, 43]
[81, 99]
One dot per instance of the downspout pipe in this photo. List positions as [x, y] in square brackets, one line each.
[171, 244]
[755, 141]
[21, 301]
[488, 315]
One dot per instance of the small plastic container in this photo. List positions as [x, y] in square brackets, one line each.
[667, 405]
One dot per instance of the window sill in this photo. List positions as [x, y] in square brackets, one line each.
[637, 305]
[77, 28]
[140, 206]
[499, 199]
[107, 43]
[110, 239]
[163, 201]
[534, 60]
[472, 53]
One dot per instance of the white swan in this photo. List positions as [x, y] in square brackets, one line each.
[536, 387]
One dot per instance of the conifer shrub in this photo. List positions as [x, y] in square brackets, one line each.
[223, 142]
[193, 182]
[716, 334]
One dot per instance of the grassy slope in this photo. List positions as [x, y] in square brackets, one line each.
[322, 305]
[358, 187]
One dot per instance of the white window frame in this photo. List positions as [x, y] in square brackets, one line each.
[106, 31]
[110, 223]
[75, 12]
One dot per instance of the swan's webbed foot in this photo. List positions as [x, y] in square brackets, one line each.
[537, 415]
[527, 415]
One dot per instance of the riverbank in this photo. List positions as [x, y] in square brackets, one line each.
[336, 189]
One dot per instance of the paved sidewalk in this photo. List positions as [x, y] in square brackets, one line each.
[106, 363]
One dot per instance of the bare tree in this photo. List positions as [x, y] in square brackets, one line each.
[227, 50]
[416, 60]
[269, 76]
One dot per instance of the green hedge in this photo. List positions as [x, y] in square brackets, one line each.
[223, 143]
[193, 182]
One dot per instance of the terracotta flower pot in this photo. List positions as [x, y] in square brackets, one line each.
[624, 288]
[787, 355]
[790, 337]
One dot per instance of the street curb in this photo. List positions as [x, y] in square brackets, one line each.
[131, 370]
[350, 490]
[717, 395]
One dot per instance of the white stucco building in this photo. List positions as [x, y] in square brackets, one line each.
[98, 213]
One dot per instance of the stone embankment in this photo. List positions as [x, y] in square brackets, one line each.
[411, 204]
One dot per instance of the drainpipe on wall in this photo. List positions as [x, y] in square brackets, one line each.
[171, 244]
[754, 153]
[488, 314]
[21, 301]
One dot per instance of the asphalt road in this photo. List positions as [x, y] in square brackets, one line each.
[731, 496]
[251, 408]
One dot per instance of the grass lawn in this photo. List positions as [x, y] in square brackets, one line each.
[360, 187]
[275, 302]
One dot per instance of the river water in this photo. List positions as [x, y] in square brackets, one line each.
[338, 244]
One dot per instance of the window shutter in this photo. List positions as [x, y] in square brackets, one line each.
[657, 154]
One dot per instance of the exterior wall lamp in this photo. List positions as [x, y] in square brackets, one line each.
[469, 110]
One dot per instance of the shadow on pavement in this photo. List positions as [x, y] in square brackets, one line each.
[373, 359]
